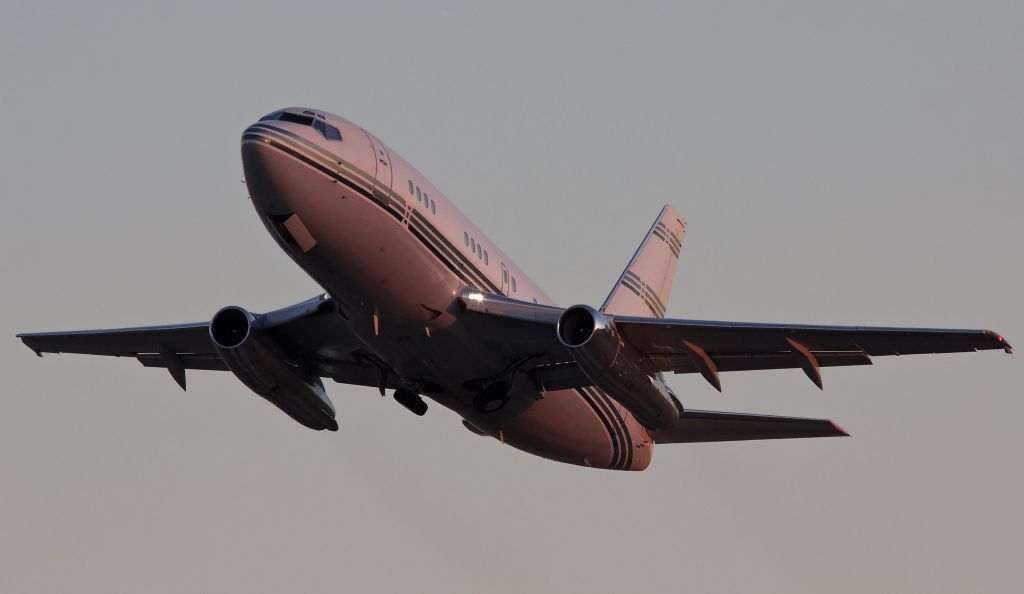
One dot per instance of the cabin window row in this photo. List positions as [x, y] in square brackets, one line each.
[476, 248]
[422, 198]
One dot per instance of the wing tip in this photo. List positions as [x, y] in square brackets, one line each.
[1007, 347]
[26, 340]
[839, 431]
[1001, 341]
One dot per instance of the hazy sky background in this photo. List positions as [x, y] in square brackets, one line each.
[853, 164]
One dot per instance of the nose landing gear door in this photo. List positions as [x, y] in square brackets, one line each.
[383, 168]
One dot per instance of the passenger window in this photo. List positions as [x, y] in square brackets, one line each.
[479, 250]
[472, 244]
[426, 200]
[465, 236]
[410, 187]
[485, 257]
[433, 207]
[418, 197]
[513, 284]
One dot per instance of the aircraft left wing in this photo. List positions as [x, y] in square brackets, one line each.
[711, 347]
[309, 331]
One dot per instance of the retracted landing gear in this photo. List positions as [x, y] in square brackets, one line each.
[492, 398]
[411, 400]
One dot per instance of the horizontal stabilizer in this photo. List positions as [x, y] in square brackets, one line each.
[706, 425]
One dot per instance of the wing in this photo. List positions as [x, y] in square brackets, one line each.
[711, 347]
[310, 330]
[705, 425]
[708, 347]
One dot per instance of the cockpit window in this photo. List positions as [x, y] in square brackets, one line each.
[296, 118]
[328, 131]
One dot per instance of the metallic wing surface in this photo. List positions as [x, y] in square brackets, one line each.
[307, 331]
[711, 347]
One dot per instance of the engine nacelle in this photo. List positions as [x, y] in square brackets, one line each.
[254, 358]
[614, 367]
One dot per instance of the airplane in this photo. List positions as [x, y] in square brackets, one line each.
[417, 300]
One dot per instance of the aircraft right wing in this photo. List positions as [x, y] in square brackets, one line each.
[308, 331]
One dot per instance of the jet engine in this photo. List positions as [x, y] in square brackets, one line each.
[614, 367]
[255, 359]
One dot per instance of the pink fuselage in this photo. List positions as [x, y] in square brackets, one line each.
[395, 255]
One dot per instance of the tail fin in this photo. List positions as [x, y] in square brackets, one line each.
[645, 284]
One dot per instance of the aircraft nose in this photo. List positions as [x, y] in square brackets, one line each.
[271, 176]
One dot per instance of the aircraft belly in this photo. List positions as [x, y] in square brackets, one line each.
[402, 303]
[571, 427]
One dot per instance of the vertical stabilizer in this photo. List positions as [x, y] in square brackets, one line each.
[645, 284]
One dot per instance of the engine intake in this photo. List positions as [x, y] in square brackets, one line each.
[230, 327]
[261, 365]
[577, 325]
[614, 367]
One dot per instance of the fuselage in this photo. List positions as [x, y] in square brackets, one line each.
[395, 255]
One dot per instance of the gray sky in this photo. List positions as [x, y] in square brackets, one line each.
[860, 164]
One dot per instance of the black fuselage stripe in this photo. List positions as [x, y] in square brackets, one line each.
[466, 263]
[481, 280]
[625, 433]
[620, 425]
[616, 450]
[457, 256]
[422, 231]
[613, 431]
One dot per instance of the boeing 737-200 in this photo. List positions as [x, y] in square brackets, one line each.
[418, 301]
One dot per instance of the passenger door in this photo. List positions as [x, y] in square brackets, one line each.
[383, 164]
[504, 280]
